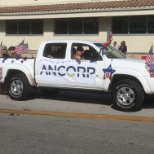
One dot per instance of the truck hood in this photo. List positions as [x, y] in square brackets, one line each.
[129, 63]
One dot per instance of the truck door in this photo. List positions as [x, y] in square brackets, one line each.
[50, 69]
[88, 72]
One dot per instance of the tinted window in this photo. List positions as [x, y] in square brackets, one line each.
[24, 27]
[151, 24]
[76, 26]
[133, 25]
[138, 24]
[55, 50]
[61, 26]
[36, 27]
[91, 26]
[89, 52]
[120, 25]
[11, 27]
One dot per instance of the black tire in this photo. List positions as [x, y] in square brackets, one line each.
[18, 87]
[50, 91]
[127, 95]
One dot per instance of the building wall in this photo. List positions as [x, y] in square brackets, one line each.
[35, 40]
[135, 43]
[32, 40]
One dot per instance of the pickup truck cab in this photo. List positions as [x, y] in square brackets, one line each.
[103, 69]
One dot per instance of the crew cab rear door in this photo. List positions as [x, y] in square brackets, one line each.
[49, 65]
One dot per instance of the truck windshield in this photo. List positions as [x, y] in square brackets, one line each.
[109, 51]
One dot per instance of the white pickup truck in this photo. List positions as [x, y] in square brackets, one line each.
[103, 69]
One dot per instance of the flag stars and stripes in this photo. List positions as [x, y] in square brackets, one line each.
[149, 58]
[22, 48]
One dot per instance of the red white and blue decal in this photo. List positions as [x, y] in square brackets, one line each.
[108, 72]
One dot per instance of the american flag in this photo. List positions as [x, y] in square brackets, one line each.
[110, 37]
[109, 41]
[25, 47]
[149, 58]
[22, 48]
[21, 43]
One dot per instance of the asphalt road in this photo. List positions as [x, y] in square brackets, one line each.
[73, 122]
[27, 134]
[73, 101]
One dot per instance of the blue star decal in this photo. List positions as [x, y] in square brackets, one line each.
[25, 58]
[78, 61]
[18, 58]
[5, 58]
[152, 67]
[108, 72]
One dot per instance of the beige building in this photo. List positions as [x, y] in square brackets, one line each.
[38, 20]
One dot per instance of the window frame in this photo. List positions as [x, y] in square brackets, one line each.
[29, 21]
[56, 49]
[129, 22]
[86, 48]
[81, 24]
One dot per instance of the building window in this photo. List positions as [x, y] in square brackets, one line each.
[61, 26]
[133, 25]
[11, 27]
[76, 26]
[138, 25]
[151, 24]
[120, 25]
[36, 26]
[24, 27]
[91, 26]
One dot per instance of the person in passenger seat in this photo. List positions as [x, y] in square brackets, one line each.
[79, 53]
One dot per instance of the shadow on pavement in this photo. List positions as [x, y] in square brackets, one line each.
[78, 96]
[148, 104]
[87, 97]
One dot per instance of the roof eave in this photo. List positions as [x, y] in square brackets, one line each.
[79, 11]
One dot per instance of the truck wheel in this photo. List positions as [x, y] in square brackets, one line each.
[127, 95]
[49, 91]
[18, 87]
